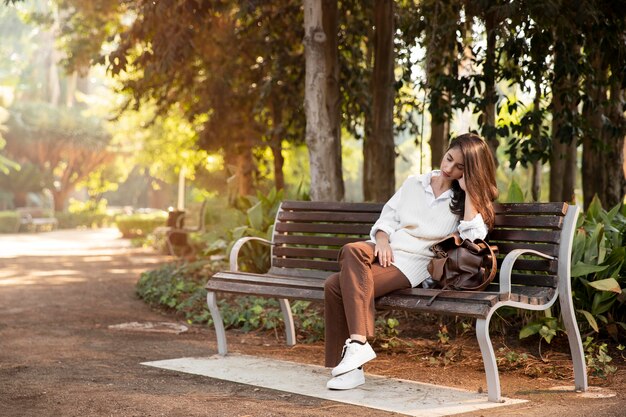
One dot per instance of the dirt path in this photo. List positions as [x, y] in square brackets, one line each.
[59, 358]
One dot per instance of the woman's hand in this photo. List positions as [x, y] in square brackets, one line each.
[382, 250]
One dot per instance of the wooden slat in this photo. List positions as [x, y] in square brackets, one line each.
[280, 239]
[543, 265]
[542, 236]
[330, 217]
[460, 296]
[308, 294]
[300, 273]
[291, 252]
[439, 306]
[535, 280]
[267, 279]
[535, 222]
[531, 208]
[331, 206]
[548, 249]
[305, 264]
[532, 295]
[348, 229]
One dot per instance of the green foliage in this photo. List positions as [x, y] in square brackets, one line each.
[387, 331]
[514, 194]
[140, 224]
[598, 276]
[598, 271]
[90, 213]
[27, 177]
[258, 214]
[9, 222]
[546, 327]
[598, 359]
[179, 287]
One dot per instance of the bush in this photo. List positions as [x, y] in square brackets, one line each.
[83, 219]
[179, 287]
[140, 224]
[9, 222]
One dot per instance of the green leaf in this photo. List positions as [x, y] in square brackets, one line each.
[590, 319]
[594, 209]
[602, 302]
[255, 216]
[529, 330]
[515, 194]
[547, 333]
[578, 249]
[238, 232]
[609, 284]
[581, 269]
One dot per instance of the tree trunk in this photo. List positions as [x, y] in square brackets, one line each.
[379, 148]
[276, 144]
[440, 50]
[244, 168]
[592, 114]
[321, 100]
[489, 110]
[60, 198]
[614, 181]
[563, 165]
[535, 187]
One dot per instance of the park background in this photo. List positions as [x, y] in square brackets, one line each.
[112, 112]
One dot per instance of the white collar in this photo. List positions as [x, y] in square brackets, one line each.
[429, 188]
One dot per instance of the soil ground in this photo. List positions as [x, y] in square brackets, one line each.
[59, 358]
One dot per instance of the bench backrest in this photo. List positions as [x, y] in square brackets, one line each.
[308, 235]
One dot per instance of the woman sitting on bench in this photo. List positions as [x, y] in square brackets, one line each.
[425, 209]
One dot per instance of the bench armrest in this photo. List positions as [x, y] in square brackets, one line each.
[234, 252]
[507, 267]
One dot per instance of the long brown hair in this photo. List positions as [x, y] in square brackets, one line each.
[480, 177]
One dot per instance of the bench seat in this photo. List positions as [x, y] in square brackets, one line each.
[454, 303]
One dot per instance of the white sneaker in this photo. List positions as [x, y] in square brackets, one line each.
[349, 380]
[354, 355]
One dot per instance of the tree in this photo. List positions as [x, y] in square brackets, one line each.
[65, 146]
[321, 100]
[603, 116]
[441, 21]
[378, 146]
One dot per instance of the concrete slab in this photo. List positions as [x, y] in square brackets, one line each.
[388, 394]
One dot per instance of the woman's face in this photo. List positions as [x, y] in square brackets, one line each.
[452, 164]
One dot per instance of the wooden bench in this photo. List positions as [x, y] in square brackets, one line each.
[176, 232]
[37, 217]
[535, 242]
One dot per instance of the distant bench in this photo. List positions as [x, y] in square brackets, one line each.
[307, 237]
[37, 218]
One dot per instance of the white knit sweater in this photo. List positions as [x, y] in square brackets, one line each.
[414, 220]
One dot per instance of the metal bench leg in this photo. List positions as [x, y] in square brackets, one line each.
[489, 359]
[575, 343]
[290, 330]
[218, 323]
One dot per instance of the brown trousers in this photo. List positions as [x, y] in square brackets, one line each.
[349, 296]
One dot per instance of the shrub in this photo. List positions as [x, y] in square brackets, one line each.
[140, 224]
[9, 222]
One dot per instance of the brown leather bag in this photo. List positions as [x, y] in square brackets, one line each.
[460, 264]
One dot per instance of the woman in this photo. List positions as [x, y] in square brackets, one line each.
[425, 209]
